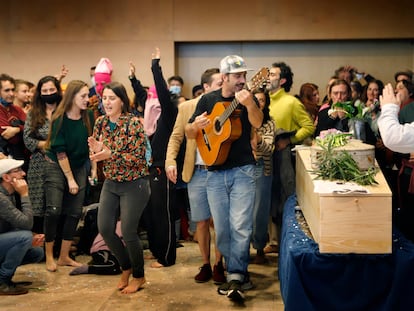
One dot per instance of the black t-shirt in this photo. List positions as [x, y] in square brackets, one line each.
[240, 151]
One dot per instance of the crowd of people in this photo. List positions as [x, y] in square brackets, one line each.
[223, 159]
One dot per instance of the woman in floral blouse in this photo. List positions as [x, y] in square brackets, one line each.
[119, 141]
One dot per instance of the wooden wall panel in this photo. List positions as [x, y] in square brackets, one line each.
[32, 61]
[246, 20]
[37, 37]
[90, 21]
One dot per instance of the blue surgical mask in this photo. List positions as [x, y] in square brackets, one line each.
[175, 89]
[4, 102]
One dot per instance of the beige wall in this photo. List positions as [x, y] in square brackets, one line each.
[37, 37]
[311, 61]
[246, 20]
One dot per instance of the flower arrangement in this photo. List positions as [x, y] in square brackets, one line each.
[336, 164]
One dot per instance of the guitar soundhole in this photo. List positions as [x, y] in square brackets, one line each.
[217, 126]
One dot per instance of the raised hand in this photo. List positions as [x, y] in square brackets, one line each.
[63, 73]
[131, 69]
[389, 97]
[156, 54]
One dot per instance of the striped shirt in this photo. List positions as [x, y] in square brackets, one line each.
[264, 149]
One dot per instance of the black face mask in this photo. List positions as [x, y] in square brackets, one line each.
[51, 98]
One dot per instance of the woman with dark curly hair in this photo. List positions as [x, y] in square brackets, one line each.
[47, 97]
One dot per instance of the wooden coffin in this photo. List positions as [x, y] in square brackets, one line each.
[345, 223]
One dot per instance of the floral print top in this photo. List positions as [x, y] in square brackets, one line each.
[127, 143]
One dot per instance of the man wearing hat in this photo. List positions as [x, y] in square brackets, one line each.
[231, 184]
[17, 244]
[403, 75]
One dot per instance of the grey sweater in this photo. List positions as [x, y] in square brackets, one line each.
[12, 218]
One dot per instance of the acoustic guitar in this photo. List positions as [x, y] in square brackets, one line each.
[214, 141]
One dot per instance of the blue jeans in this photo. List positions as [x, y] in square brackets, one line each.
[197, 195]
[262, 204]
[231, 195]
[15, 250]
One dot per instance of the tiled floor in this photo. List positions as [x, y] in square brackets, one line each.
[171, 288]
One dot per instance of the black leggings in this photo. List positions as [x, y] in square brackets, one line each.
[126, 200]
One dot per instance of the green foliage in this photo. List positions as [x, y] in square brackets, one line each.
[348, 107]
[333, 139]
[339, 164]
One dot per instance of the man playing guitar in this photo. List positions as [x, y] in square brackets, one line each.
[231, 184]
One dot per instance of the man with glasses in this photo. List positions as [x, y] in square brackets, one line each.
[17, 243]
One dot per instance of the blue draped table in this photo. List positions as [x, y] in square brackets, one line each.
[310, 280]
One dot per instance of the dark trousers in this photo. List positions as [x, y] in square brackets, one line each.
[283, 185]
[126, 200]
[59, 202]
[160, 216]
[404, 215]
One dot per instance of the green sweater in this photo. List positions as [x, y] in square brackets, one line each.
[406, 114]
[72, 138]
[290, 114]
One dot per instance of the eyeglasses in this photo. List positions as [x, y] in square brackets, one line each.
[15, 170]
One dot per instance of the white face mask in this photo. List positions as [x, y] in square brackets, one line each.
[175, 89]
[93, 81]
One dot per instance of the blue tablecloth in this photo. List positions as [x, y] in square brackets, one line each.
[310, 280]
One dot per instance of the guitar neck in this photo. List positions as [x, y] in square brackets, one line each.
[229, 110]
[257, 80]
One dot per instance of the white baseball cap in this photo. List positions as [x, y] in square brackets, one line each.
[7, 165]
[233, 64]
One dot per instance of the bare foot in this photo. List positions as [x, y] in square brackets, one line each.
[149, 256]
[156, 264]
[51, 265]
[123, 282]
[68, 262]
[134, 286]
